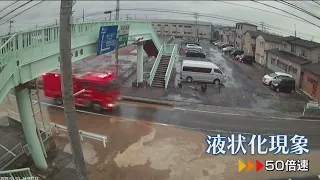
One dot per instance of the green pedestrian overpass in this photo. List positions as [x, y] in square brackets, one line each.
[25, 56]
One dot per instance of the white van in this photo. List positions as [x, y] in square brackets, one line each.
[201, 71]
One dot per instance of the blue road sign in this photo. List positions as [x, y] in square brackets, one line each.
[107, 39]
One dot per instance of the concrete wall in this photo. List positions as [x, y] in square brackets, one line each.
[184, 30]
[273, 65]
[240, 30]
[308, 86]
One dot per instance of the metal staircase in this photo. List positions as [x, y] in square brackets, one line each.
[159, 78]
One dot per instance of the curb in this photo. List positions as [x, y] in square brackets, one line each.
[146, 100]
[310, 117]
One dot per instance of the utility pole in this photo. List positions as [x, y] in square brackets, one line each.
[83, 15]
[262, 26]
[117, 52]
[135, 16]
[56, 22]
[10, 26]
[295, 31]
[196, 16]
[67, 88]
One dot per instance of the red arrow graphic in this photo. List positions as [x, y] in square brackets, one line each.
[258, 165]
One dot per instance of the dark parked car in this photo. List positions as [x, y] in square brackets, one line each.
[195, 53]
[285, 84]
[237, 52]
[247, 59]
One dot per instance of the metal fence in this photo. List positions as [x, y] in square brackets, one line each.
[21, 174]
[12, 155]
[82, 134]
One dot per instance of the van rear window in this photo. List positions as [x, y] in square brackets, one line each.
[197, 69]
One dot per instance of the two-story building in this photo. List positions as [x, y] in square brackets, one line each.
[310, 83]
[249, 46]
[228, 35]
[265, 41]
[293, 55]
[241, 28]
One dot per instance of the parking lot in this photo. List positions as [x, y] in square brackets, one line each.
[243, 88]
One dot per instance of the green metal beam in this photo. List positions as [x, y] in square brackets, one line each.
[140, 62]
[29, 127]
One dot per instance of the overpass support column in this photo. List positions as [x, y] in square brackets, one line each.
[28, 125]
[140, 62]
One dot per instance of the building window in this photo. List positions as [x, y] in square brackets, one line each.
[303, 53]
[173, 31]
[318, 57]
[261, 43]
[187, 26]
[174, 25]
[292, 70]
[310, 80]
[273, 61]
[282, 65]
[159, 24]
[284, 46]
[158, 31]
[240, 26]
[293, 48]
[152, 24]
[180, 25]
[166, 25]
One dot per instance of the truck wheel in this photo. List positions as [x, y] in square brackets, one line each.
[58, 101]
[216, 81]
[96, 107]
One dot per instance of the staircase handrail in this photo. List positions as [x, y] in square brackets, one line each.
[155, 66]
[3, 46]
[170, 66]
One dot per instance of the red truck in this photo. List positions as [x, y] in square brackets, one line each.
[97, 90]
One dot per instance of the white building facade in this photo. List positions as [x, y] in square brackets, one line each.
[182, 28]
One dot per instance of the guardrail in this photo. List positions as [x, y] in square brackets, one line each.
[170, 65]
[82, 134]
[23, 173]
[155, 66]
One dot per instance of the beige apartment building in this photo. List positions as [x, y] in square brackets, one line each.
[265, 42]
[249, 46]
[229, 35]
[292, 56]
[241, 28]
[182, 28]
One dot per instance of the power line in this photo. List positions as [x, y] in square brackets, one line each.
[316, 2]
[286, 12]
[8, 6]
[297, 8]
[260, 10]
[16, 9]
[22, 12]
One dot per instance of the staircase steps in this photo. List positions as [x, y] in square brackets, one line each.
[158, 80]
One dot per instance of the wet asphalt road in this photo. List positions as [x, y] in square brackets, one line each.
[211, 122]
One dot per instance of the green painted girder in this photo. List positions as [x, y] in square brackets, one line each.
[29, 54]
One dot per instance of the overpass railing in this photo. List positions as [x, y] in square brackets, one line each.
[168, 49]
[23, 173]
[170, 65]
[155, 66]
